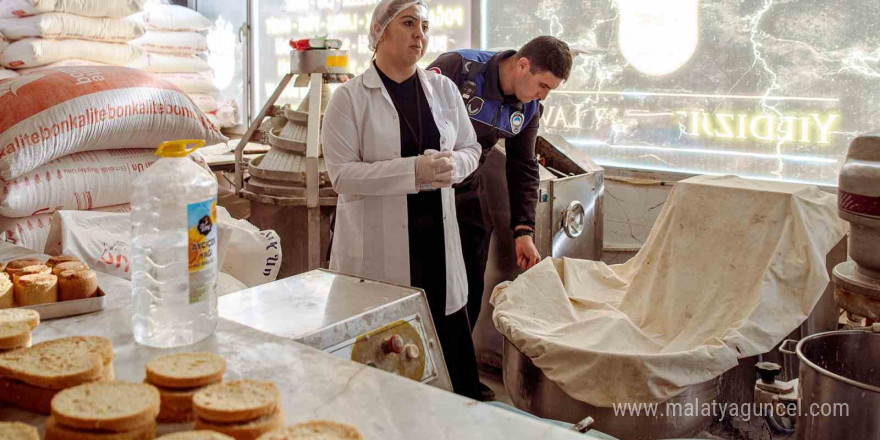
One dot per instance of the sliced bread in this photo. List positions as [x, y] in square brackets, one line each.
[186, 370]
[18, 431]
[315, 430]
[21, 315]
[14, 335]
[58, 431]
[176, 405]
[248, 430]
[51, 366]
[26, 397]
[99, 345]
[236, 401]
[195, 435]
[109, 406]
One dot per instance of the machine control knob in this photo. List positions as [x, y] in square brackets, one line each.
[412, 351]
[574, 219]
[394, 344]
[768, 371]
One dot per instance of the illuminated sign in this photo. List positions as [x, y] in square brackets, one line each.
[277, 21]
[708, 86]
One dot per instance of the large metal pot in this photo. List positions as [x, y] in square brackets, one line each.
[839, 386]
[531, 391]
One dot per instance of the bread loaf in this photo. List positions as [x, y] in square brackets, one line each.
[69, 265]
[18, 431]
[315, 430]
[77, 284]
[14, 266]
[7, 297]
[61, 259]
[107, 406]
[36, 289]
[30, 270]
[236, 401]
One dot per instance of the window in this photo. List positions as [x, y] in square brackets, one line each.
[764, 89]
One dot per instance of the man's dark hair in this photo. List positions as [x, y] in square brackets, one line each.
[548, 54]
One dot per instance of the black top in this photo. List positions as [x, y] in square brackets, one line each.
[427, 247]
[522, 167]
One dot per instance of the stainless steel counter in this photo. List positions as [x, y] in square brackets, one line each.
[313, 384]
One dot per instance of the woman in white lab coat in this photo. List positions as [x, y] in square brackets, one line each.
[395, 139]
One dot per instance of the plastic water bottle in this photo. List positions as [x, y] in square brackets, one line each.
[174, 249]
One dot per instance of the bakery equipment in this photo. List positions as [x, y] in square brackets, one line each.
[288, 187]
[568, 223]
[382, 325]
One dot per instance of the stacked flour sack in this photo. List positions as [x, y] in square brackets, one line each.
[5, 73]
[175, 49]
[74, 138]
[57, 33]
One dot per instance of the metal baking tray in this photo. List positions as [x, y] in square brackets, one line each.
[63, 309]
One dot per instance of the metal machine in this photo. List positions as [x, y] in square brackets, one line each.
[568, 223]
[288, 187]
[382, 325]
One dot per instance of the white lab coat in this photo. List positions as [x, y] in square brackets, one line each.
[361, 139]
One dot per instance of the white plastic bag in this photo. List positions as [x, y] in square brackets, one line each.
[252, 256]
[80, 181]
[165, 62]
[190, 83]
[33, 232]
[174, 18]
[35, 52]
[88, 8]
[181, 43]
[205, 103]
[67, 110]
[61, 25]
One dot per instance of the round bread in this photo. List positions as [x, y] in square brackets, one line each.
[245, 431]
[14, 335]
[99, 345]
[236, 401]
[108, 406]
[31, 270]
[186, 370]
[57, 431]
[195, 435]
[70, 265]
[315, 430]
[36, 289]
[77, 284]
[18, 431]
[14, 266]
[31, 317]
[54, 261]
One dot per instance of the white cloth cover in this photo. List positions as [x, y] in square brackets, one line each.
[61, 25]
[729, 269]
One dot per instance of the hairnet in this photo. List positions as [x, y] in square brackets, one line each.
[384, 13]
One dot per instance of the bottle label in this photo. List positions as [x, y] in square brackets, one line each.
[202, 227]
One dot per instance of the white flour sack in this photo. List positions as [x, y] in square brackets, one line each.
[198, 82]
[80, 181]
[88, 8]
[33, 232]
[72, 109]
[166, 62]
[205, 103]
[174, 18]
[63, 63]
[61, 25]
[35, 52]
[6, 74]
[4, 42]
[183, 43]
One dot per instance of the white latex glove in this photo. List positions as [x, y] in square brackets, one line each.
[444, 168]
[424, 169]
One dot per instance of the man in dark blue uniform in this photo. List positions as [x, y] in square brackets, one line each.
[502, 92]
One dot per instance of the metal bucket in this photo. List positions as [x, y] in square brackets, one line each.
[531, 391]
[839, 386]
